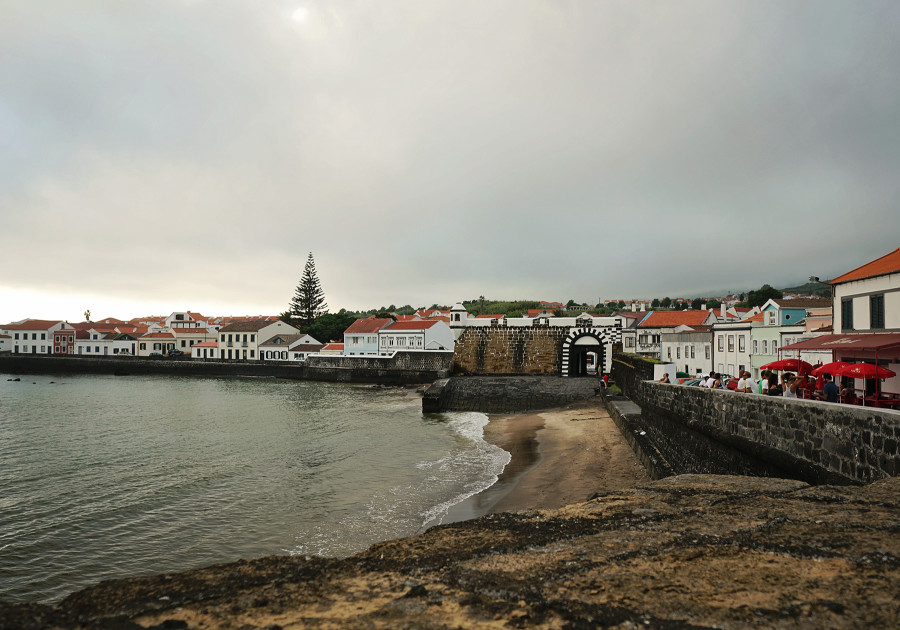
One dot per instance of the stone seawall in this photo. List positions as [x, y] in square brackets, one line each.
[506, 394]
[404, 368]
[814, 441]
[515, 350]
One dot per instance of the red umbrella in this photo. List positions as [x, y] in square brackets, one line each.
[866, 370]
[830, 368]
[794, 365]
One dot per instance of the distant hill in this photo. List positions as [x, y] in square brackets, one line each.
[814, 288]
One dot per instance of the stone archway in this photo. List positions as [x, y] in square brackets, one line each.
[580, 342]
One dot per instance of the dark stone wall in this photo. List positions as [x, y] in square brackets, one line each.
[506, 394]
[700, 430]
[402, 369]
[533, 350]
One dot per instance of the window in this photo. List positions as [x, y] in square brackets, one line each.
[668, 353]
[756, 346]
[17, 336]
[692, 353]
[847, 314]
[721, 343]
[252, 338]
[742, 344]
[143, 346]
[223, 336]
[678, 352]
[629, 342]
[43, 336]
[730, 343]
[765, 346]
[876, 311]
[774, 347]
[771, 316]
[707, 351]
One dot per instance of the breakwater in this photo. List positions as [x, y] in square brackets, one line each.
[402, 368]
[697, 430]
[506, 394]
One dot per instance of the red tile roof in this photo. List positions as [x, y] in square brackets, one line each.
[333, 346]
[368, 325]
[889, 263]
[663, 319]
[34, 324]
[159, 335]
[495, 316]
[418, 325]
[205, 344]
[755, 318]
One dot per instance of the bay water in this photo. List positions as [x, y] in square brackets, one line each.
[115, 476]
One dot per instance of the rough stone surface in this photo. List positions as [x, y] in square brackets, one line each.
[697, 430]
[514, 350]
[504, 394]
[695, 551]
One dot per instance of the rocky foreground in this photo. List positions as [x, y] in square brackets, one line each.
[694, 551]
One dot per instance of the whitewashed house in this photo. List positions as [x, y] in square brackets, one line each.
[288, 347]
[361, 337]
[32, 336]
[239, 341]
[415, 335]
[205, 350]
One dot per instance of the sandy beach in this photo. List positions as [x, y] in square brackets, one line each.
[559, 456]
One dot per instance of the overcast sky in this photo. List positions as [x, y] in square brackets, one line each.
[188, 154]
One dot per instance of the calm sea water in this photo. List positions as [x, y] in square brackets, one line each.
[104, 477]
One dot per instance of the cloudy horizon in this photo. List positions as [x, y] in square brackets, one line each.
[189, 154]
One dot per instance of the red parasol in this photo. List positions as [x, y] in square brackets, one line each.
[794, 365]
[866, 370]
[830, 368]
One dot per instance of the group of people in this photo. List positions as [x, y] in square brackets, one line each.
[789, 386]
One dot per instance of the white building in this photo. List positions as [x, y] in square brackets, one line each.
[288, 347]
[689, 348]
[205, 350]
[731, 346]
[361, 337]
[32, 336]
[424, 334]
[239, 341]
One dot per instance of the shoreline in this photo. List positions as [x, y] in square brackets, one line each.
[558, 457]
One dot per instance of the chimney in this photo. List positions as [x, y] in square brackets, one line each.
[703, 307]
[723, 310]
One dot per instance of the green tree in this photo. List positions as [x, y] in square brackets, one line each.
[654, 303]
[309, 298]
[762, 295]
[666, 302]
[330, 326]
[696, 303]
[712, 303]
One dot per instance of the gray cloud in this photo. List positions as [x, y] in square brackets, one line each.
[429, 152]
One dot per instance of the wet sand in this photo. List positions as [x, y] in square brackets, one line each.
[559, 457]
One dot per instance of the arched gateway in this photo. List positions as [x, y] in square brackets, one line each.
[584, 343]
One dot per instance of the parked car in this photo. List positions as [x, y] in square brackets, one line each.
[156, 355]
[175, 353]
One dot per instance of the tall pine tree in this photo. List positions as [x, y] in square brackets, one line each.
[309, 298]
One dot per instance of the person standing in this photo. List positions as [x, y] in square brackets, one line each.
[789, 385]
